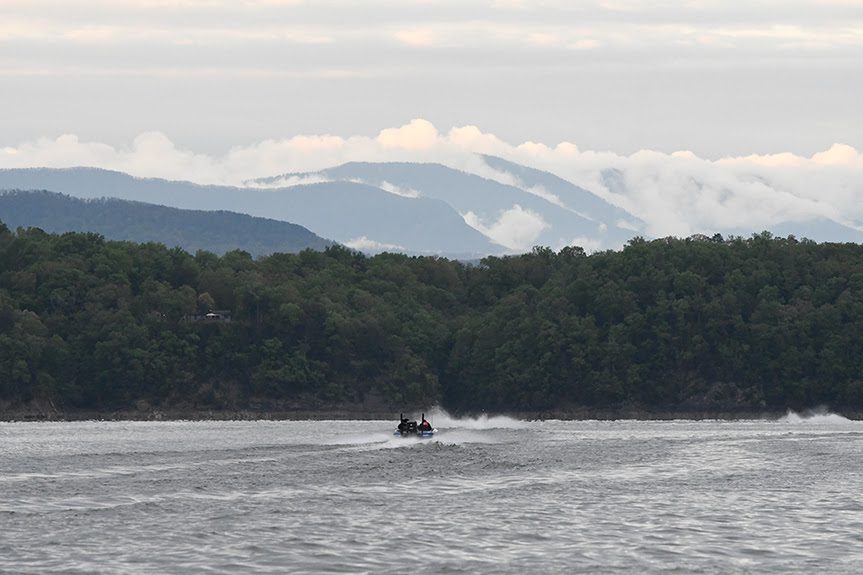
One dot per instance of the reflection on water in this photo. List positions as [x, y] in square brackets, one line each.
[485, 495]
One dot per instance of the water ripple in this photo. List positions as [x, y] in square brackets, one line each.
[508, 497]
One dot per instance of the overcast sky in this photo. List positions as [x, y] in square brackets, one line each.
[717, 78]
[718, 114]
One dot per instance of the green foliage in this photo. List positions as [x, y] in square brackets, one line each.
[697, 324]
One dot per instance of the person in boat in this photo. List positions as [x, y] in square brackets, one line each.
[425, 425]
[403, 426]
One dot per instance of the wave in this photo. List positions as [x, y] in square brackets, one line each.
[441, 419]
[818, 415]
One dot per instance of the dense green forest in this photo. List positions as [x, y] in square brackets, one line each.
[699, 324]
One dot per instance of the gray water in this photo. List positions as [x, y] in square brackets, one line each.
[484, 496]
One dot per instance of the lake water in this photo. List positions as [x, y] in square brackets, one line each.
[484, 496]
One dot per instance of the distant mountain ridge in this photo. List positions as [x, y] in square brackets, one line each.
[561, 212]
[342, 211]
[416, 208]
[585, 202]
[192, 230]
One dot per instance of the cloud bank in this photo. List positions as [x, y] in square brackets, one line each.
[675, 194]
[515, 228]
[715, 77]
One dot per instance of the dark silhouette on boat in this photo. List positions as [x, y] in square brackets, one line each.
[408, 428]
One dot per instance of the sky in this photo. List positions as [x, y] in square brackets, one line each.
[760, 98]
[715, 77]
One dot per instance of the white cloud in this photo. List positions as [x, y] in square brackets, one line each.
[545, 195]
[623, 224]
[472, 139]
[419, 134]
[678, 193]
[589, 245]
[292, 180]
[398, 190]
[515, 228]
[839, 155]
[365, 244]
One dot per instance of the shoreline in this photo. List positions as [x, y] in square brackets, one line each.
[40, 415]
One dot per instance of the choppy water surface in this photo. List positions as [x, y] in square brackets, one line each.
[497, 495]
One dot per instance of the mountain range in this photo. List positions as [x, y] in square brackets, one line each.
[415, 208]
[551, 211]
[347, 212]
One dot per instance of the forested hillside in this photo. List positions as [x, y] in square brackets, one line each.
[192, 230]
[698, 324]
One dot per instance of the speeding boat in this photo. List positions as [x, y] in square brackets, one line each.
[407, 428]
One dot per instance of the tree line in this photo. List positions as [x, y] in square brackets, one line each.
[696, 324]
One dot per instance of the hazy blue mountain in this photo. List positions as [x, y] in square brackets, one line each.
[348, 210]
[485, 198]
[343, 211]
[352, 206]
[621, 224]
[192, 230]
[578, 215]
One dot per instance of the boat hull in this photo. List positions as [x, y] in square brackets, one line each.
[420, 434]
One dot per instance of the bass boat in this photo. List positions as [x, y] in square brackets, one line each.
[408, 428]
